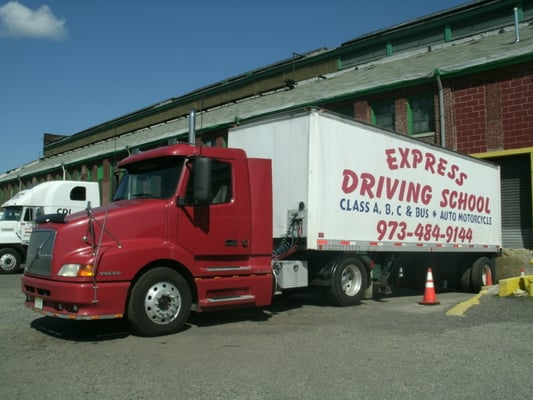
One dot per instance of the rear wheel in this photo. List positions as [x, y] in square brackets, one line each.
[10, 261]
[349, 279]
[466, 280]
[481, 269]
[160, 303]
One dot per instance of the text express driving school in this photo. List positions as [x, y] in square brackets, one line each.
[438, 191]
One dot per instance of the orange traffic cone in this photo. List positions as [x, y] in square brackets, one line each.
[430, 298]
[488, 277]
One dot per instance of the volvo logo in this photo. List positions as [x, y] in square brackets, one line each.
[110, 273]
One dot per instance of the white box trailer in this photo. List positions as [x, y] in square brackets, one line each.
[358, 188]
[20, 212]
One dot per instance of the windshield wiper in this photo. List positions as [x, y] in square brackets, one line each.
[143, 195]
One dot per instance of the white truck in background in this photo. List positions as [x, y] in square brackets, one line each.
[19, 214]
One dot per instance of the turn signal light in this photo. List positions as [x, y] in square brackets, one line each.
[86, 270]
[77, 270]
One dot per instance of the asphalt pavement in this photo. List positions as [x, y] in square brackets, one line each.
[389, 347]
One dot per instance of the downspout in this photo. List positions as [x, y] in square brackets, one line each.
[441, 110]
[64, 171]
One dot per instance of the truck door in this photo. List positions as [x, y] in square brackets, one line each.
[216, 228]
[26, 225]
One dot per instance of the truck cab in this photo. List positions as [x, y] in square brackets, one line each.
[190, 228]
[17, 221]
[16, 224]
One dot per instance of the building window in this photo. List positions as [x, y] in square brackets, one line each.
[421, 115]
[384, 115]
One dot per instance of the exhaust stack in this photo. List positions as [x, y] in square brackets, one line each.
[192, 127]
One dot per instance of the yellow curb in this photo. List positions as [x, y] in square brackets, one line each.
[460, 309]
[508, 286]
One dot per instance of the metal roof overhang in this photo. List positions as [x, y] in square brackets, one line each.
[464, 57]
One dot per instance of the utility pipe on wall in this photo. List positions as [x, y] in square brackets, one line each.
[516, 26]
[441, 110]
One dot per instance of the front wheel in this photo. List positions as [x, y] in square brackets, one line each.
[10, 261]
[349, 279]
[160, 303]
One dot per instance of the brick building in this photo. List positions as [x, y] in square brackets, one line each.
[461, 78]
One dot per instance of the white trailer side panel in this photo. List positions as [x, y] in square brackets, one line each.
[368, 189]
[286, 142]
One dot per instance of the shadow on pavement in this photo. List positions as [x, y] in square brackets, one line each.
[103, 330]
[82, 331]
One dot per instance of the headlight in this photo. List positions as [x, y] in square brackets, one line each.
[76, 270]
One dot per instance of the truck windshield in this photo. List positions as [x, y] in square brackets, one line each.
[150, 179]
[12, 213]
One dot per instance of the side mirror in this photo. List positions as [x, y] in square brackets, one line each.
[202, 179]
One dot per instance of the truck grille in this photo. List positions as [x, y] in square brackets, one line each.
[39, 256]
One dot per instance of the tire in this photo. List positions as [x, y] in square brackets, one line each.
[159, 303]
[349, 279]
[10, 261]
[466, 280]
[480, 270]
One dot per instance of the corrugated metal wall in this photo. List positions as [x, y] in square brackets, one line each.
[517, 216]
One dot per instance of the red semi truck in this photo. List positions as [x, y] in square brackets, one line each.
[300, 199]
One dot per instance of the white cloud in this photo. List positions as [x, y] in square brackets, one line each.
[17, 20]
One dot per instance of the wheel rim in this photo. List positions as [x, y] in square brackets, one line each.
[8, 262]
[351, 279]
[162, 303]
[485, 274]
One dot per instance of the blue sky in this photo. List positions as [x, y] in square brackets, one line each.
[66, 66]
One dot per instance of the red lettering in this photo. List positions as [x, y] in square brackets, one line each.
[392, 185]
[464, 201]
[461, 179]
[367, 184]
[391, 159]
[453, 171]
[417, 157]
[444, 201]
[405, 157]
[486, 207]
[441, 166]
[430, 163]
[404, 154]
[426, 194]
[417, 191]
[349, 181]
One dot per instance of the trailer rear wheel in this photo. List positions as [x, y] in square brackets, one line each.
[466, 280]
[349, 279]
[10, 261]
[160, 303]
[481, 269]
